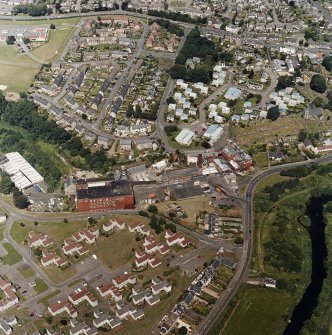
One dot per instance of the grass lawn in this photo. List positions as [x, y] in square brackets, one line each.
[40, 286]
[17, 78]
[58, 39]
[57, 230]
[116, 250]
[26, 271]
[2, 228]
[7, 53]
[44, 300]
[52, 152]
[12, 256]
[261, 159]
[260, 309]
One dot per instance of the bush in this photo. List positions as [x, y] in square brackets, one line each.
[273, 113]
[239, 240]
[152, 209]
[318, 83]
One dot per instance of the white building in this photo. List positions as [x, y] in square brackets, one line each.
[22, 174]
[185, 137]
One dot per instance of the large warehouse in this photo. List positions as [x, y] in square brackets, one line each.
[21, 172]
[100, 196]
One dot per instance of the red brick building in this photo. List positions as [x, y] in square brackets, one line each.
[101, 196]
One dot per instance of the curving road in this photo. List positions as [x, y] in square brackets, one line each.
[244, 264]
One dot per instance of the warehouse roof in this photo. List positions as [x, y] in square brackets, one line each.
[22, 173]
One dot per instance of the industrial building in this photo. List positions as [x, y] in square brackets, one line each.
[100, 195]
[185, 137]
[22, 174]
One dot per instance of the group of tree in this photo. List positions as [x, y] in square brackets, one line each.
[299, 172]
[177, 16]
[24, 114]
[281, 251]
[285, 81]
[6, 184]
[172, 28]
[276, 190]
[170, 129]
[195, 46]
[318, 83]
[20, 200]
[32, 9]
[158, 224]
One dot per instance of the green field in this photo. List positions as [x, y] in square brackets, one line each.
[258, 312]
[17, 78]
[40, 286]
[12, 256]
[113, 252]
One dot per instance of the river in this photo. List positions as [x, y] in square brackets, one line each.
[304, 309]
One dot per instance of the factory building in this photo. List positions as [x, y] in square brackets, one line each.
[101, 196]
[22, 174]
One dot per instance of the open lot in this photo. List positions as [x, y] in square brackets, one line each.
[192, 207]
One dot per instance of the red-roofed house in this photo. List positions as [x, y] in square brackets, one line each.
[81, 295]
[61, 307]
[124, 279]
[110, 289]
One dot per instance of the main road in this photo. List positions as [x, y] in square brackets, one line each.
[244, 263]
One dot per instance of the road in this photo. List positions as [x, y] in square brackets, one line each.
[248, 227]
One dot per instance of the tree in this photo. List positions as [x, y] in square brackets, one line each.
[327, 63]
[152, 209]
[178, 71]
[52, 26]
[273, 113]
[6, 184]
[65, 220]
[183, 330]
[170, 100]
[285, 81]
[10, 39]
[318, 102]
[239, 240]
[35, 223]
[49, 319]
[318, 83]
